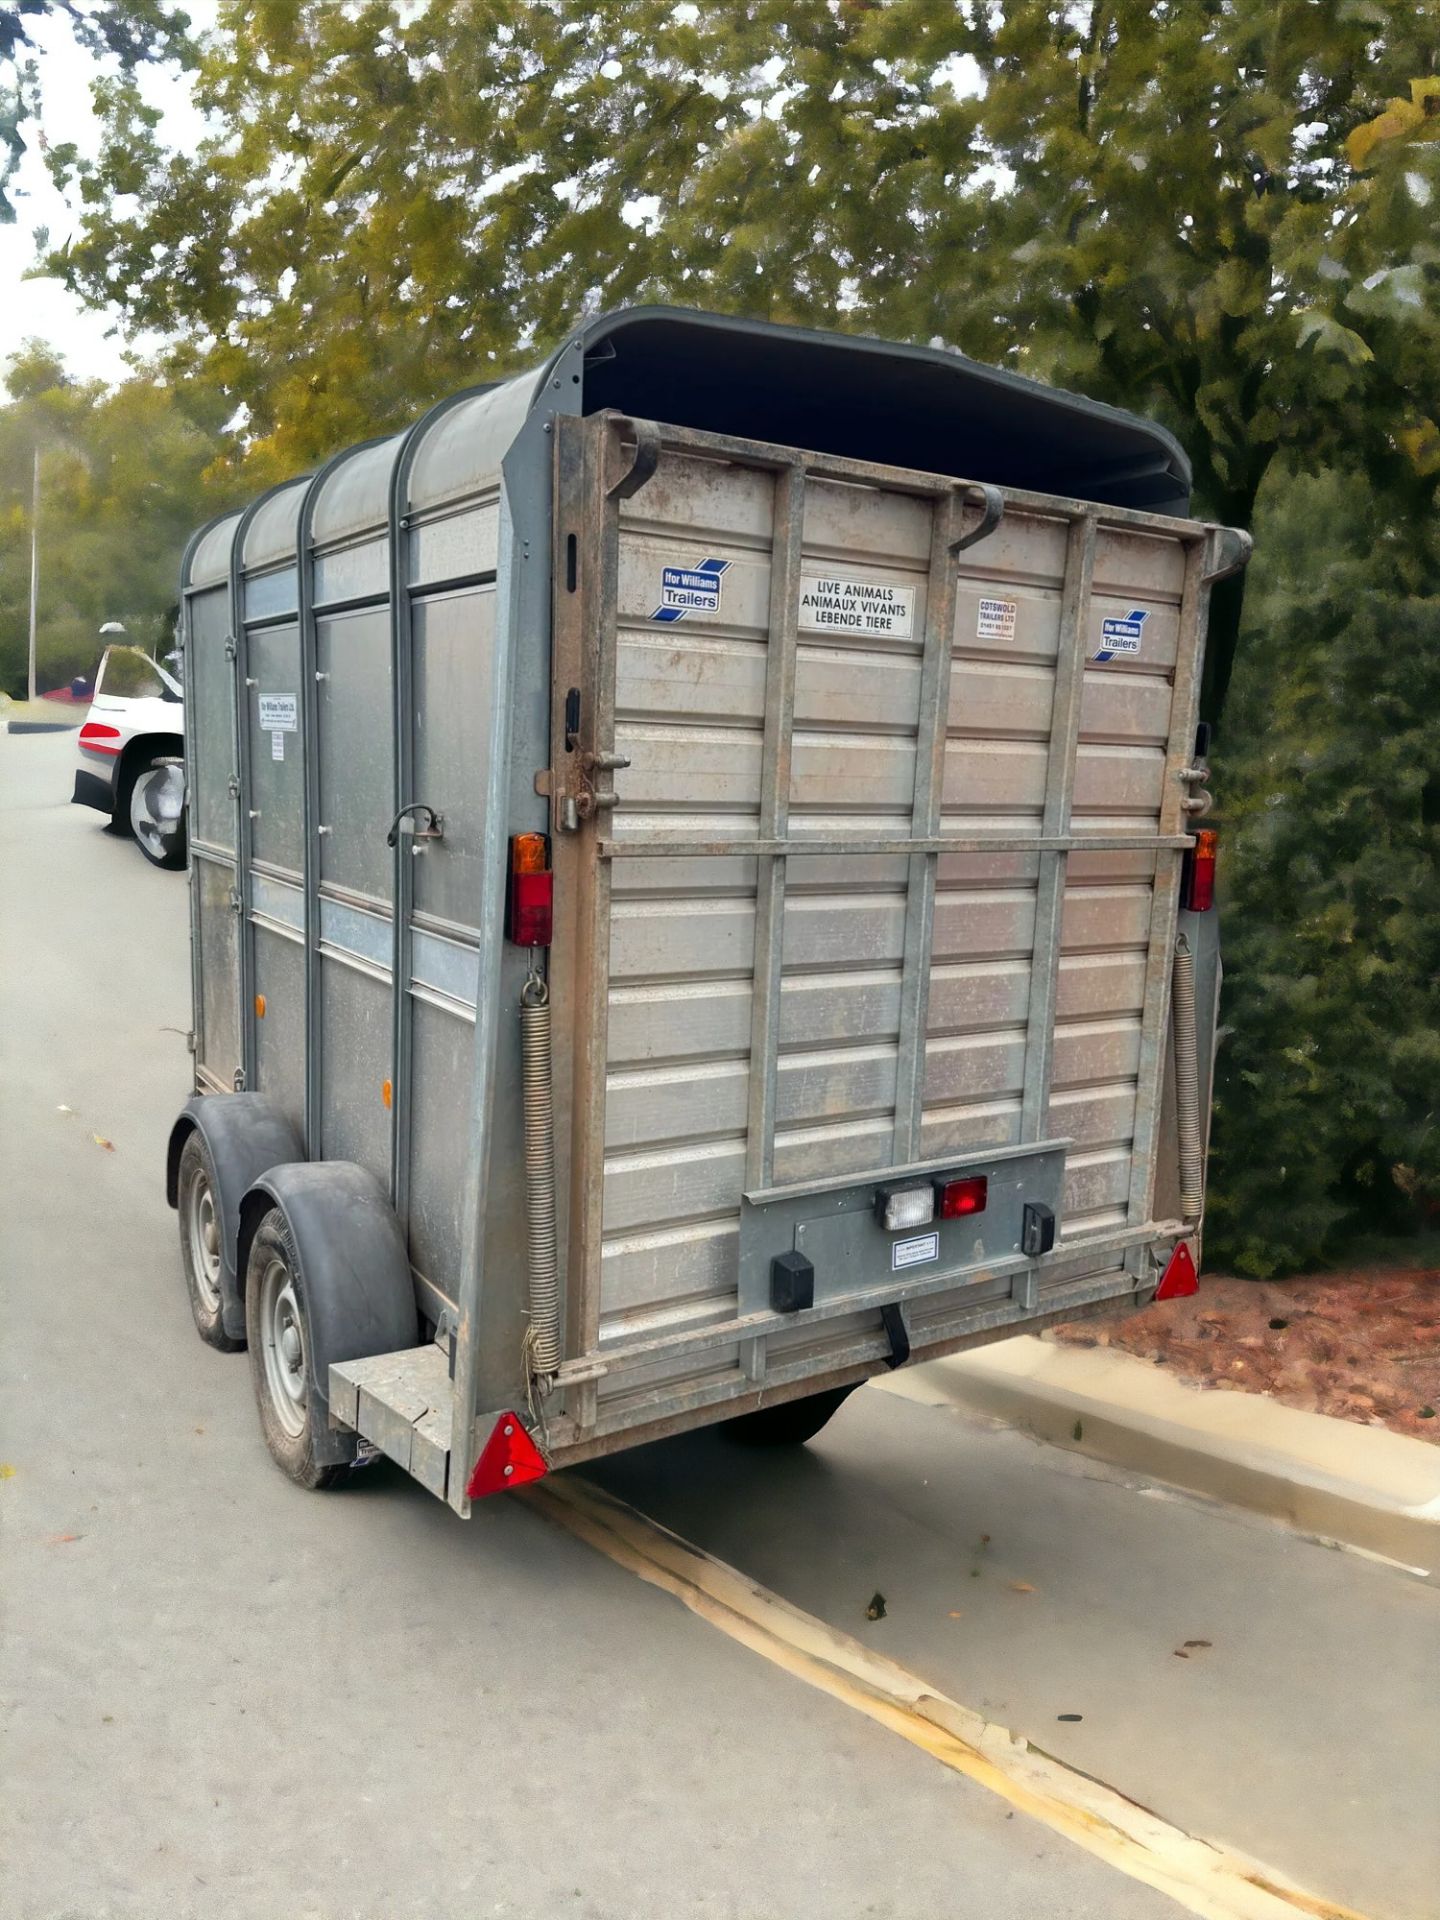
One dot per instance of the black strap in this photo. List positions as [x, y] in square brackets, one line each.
[893, 1320]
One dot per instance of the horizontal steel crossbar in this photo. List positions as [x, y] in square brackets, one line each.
[852, 846]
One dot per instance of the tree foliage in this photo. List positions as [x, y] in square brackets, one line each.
[130, 31]
[1152, 204]
[1222, 213]
[1328, 1101]
[123, 481]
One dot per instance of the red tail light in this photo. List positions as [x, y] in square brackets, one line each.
[530, 908]
[1197, 885]
[1179, 1277]
[510, 1458]
[98, 738]
[956, 1198]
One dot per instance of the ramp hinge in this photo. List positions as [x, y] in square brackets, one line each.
[239, 1080]
[233, 783]
[230, 647]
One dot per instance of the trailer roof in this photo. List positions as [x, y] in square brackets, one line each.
[921, 407]
[845, 394]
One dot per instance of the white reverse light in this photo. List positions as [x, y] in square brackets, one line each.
[902, 1207]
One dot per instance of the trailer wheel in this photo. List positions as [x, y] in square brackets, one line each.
[277, 1321]
[201, 1249]
[790, 1424]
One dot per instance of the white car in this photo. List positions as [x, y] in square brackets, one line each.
[132, 754]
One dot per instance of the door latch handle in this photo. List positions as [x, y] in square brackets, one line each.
[408, 820]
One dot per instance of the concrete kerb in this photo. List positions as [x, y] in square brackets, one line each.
[1361, 1486]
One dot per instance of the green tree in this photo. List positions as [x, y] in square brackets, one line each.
[1154, 205]
[130, 31]
[125, 476]
[1327, 1114]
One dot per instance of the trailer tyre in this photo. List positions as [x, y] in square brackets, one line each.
[790, 1424]
[201, 1249]
[277, 1322]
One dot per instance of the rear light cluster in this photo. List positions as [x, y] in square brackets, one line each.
[95, 737]
[918, 1202]
[530, 904]
[1197, 881]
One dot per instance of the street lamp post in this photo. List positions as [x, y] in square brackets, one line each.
[34, 567]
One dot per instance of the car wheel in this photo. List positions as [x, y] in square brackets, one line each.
[155, 807]
[790, 1424]
[277, 1322]
[198, 1201]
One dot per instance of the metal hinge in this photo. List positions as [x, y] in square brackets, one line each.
[190, 1041]
[234, 901]
[230, 647]
[239, 1081]
[233, 783]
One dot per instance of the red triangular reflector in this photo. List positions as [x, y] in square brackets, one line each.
[1179, 1277]
[510, 1459]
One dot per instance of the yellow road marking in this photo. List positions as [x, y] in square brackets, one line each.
[1208, 1880]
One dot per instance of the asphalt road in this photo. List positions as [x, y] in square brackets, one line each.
[225, 1697]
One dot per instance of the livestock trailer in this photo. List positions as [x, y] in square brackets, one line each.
[696, 896]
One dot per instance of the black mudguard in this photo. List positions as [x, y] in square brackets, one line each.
[355, 1276]
[247, 1135]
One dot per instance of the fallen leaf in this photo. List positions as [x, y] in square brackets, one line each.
[876, 1608]
[984, 1539]
[7, 1472]
[1069, 1716]
[101, 1141]
[61, 1539]
[64, 1109]
[1021, 1586]
[1180, 1653]
[955, 1614]
[1199, 1643]
[107, 1719]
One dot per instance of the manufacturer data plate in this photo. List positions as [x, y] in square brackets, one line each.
[914, 1252]
[279, 713]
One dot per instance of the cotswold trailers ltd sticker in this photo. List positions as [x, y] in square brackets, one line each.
[1120, 634]
[995, 619]
[690, 590]
[830, 603]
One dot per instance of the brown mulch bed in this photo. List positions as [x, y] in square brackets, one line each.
[1363, 1345]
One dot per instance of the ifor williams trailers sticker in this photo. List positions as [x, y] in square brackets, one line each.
[690, 590]
[1120, 634]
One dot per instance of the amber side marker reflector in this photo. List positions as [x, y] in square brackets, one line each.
[510, 1458]
[1179, 1277]
[387, 1093]
[259, 1006]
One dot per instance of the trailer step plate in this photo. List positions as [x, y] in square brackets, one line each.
[400, 1403]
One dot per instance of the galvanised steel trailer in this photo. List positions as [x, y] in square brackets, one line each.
[695, 897]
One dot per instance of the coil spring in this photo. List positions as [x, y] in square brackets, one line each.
[1187, 1083]
[543, 1340]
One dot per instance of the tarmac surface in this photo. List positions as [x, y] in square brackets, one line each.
[223, 1696]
